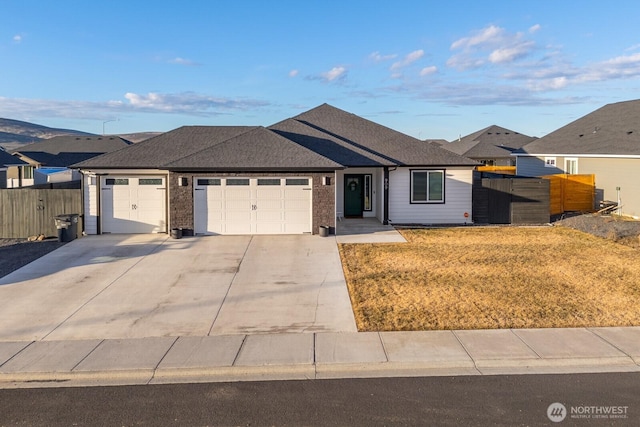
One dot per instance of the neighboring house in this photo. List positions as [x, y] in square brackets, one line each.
[7, 162]
[605, 143]
[49, 159]
[491, 146]
[292, 177]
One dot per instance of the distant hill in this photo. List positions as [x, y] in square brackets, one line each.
[15, 133]
[18, 132]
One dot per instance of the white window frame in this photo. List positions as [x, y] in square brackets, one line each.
[568, 161]
[428, 195]
[549, 162]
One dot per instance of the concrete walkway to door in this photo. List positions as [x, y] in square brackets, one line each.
[366, 230]
[140, 286]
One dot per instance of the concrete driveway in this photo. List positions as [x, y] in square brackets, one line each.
[133, 286]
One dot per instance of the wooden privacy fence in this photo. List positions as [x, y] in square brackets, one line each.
[571, 193]
[510, 200]
[506, 170]
[28, 212]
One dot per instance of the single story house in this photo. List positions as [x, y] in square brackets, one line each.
[55, 155]
[291, 177]
[491, 146]
[605, 143]
[7, 162]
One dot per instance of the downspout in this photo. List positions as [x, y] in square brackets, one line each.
[385, 202]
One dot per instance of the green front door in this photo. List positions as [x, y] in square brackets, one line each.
[353, 195]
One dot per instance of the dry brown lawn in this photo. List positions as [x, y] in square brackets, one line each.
[487, 278]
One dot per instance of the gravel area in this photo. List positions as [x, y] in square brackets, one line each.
[16, 253]
[619, 229]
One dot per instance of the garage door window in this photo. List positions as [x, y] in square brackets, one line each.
[150, 181]
[297, 181]
[268, 181]
[209, 181]
[238, 181]
[117, 181]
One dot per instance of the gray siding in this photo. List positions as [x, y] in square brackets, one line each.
[534, 166]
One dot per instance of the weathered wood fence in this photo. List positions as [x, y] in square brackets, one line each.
[571, 193]
[28, 212]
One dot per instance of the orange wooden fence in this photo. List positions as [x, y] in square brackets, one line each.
[571, 193]
[507, 170]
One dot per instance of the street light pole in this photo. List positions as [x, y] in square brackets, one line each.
[105, 122]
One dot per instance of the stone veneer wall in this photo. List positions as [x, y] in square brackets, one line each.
[322, 198]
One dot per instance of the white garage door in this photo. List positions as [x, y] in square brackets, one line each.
[133, 204]
[262, 205]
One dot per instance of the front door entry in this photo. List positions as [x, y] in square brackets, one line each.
[353, 195]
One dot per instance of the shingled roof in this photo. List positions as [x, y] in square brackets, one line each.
[168, 147]
[491, 142]
[7, 159]
[610, 130]
[255, 150]
[76, 144]
[322, 138]
[372, 140]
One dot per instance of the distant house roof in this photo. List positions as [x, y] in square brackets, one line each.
[322, 138]
[76, 144]
[491, 142]
[610, 130]
[370, 142]
[57, 160]
[7, 159]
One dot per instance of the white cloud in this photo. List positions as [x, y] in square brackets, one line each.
[620, 67]
[293, 73]
[187, 103]
[488, 35]
[17, 38]
[490, 45]
[336, 73]
[408, 60]
[427, 71]
[377, 57]
[182, 61]
[534, 28]
[511, 53]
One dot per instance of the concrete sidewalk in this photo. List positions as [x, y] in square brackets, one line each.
[293, 356]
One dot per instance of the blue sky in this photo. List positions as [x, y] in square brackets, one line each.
[431, 69]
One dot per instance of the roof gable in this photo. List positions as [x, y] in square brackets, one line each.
[7, 159]
[396, 147]
[610, 130]
[257, 149]
[168, 147]
[490, 142]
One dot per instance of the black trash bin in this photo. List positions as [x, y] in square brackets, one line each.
[67, 225]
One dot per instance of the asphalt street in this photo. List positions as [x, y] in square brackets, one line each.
[520, 400]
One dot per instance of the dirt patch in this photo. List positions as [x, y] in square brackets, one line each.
[16, 253]
[620, 229]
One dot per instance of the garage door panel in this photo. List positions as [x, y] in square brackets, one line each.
[269, 216]
[252, 205]
[133, 205]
